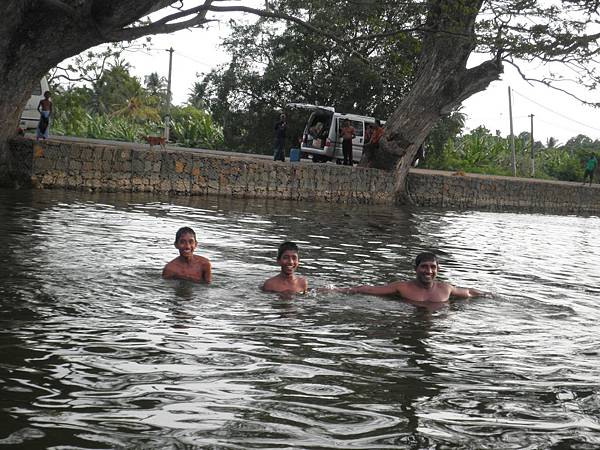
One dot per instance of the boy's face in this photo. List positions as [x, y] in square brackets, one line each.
[186, 244]
[289, 261]
[427, 271]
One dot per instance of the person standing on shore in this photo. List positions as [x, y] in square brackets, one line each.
[590, 168]
[372, 144]
[280, 130]
[348, 133]
[45, 110]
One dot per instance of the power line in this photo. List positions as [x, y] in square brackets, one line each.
[557, 113]
[192, 59]
[558, 125]
[183, 55]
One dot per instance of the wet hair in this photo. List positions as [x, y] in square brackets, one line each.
[285, 247]
[184, 230]
[425, 256]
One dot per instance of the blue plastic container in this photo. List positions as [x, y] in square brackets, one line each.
[295, 155]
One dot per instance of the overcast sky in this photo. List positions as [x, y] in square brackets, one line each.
[555, 114]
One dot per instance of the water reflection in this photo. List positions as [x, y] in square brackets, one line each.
[100, 352]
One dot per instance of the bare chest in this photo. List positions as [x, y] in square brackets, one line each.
[438, 293]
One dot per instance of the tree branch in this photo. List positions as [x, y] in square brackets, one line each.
[551, 85]
[164, 25]
[62, 6]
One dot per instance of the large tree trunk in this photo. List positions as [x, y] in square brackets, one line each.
[36, 36]
[442, 83]
[11, 103]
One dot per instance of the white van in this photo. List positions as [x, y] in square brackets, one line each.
[320, 138]
[30, 115]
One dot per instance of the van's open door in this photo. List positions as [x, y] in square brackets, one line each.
[310, 107]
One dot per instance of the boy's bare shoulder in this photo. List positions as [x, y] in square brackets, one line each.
[170, 269]
[303, 283]
[173, 263]
[201, 260]
[271, 283]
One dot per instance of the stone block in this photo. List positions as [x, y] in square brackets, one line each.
[75, 166]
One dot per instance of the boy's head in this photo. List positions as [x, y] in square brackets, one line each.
[182, 231]
[287, 246]
[47, 95]
[426, 268]
[425, 257]
[287, 257]
[185, 242]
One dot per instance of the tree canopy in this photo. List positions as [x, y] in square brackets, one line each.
[273, 65]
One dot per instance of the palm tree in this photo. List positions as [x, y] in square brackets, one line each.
[197, 94]
[137, 109]
[155, 84]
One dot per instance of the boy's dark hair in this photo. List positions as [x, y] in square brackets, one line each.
[285, 247]
[184, 230]
[425, 256]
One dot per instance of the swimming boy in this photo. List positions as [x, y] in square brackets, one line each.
[188, 266]
[424, 288]
[286, 280]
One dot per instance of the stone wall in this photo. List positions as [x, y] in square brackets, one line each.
[496, 193]
[67, 165]
[131, 168]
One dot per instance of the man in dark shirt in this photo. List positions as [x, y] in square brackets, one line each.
[280, 129]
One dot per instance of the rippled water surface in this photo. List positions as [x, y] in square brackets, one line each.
[98, 352]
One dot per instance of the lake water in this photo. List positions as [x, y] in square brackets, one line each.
[98, 352]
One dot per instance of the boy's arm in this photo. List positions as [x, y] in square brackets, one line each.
[388, 289]
[467, 292]
[207, 272]
[304, 285]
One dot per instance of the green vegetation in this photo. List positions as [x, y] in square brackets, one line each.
[482, 152]
[193, 127]
[114, 105]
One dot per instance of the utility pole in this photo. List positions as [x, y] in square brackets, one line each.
[512, 135]
[168, 116]
[531, 141]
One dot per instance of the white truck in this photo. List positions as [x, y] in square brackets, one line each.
[320, 139]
